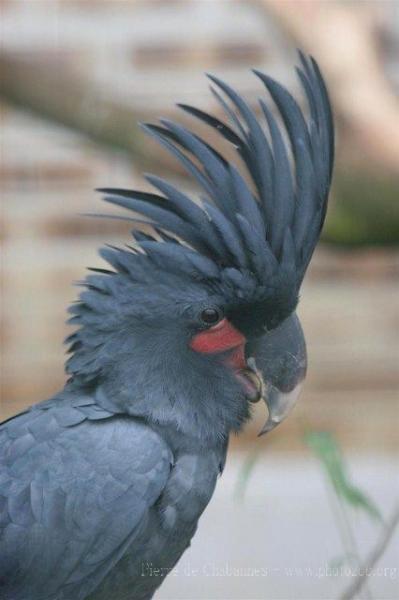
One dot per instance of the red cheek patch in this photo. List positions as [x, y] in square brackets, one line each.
[219, 338]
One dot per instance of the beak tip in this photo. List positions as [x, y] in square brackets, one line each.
[279, 405]
[268, 427]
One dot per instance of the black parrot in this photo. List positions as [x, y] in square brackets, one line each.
[193, 324]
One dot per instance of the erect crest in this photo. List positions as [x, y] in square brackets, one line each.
[238, 231]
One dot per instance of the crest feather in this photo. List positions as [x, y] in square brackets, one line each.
[255, 228]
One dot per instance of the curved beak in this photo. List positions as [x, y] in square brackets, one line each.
[279, 404]
[282, 362]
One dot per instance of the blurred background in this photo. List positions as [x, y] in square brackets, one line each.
[297, 508]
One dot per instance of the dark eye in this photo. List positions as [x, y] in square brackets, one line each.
[211, 315]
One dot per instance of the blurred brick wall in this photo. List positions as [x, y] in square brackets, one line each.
[47, 178]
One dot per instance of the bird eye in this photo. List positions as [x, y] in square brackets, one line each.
[211, 315]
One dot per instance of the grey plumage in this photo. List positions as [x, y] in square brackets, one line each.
[102, 485]
[81, 484]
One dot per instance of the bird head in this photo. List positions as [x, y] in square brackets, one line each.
[196, 320]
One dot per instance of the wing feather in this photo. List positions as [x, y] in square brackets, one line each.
[75, 499]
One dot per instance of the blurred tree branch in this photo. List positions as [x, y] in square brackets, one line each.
[59, 95]
[342, 37]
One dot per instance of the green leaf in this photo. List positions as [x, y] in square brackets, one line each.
[245, 473]
[326, 449]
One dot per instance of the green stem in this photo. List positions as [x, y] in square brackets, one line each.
[348, 539]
